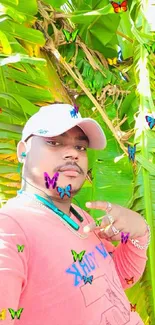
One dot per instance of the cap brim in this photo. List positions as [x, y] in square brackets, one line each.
[90, 127]
[94, 132]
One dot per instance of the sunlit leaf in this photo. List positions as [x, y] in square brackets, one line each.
[5, 43]
[22, 32]
[55, 3]
[21, 58]
[13, 13]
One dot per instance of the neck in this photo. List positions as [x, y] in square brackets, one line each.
[63, 205]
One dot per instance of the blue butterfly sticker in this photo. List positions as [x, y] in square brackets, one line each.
[74, 111]
[151, 121]
[88, 279]
[131, 152]
[62, 191]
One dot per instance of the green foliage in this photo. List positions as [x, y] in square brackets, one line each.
[55, 3]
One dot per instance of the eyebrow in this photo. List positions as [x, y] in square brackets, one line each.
[82, 137]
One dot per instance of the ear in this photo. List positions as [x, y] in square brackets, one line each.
[21, 147]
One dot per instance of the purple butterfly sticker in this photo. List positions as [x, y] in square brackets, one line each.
[51, 181]
[74, 111]
[124, 238]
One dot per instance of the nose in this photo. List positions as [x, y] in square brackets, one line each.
[71, 153]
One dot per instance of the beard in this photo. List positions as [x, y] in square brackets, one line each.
[75, 190]
[76, 187]
[35, 182]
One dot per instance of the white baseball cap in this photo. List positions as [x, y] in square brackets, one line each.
[55, 119]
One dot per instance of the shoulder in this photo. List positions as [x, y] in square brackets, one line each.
[10, 227]
[9, 211]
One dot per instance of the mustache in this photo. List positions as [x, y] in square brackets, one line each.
[70, 163]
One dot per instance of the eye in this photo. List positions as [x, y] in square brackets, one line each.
[81, 148]
[53, 143]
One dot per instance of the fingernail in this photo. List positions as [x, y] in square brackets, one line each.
[89, 227]
[88, 204]
[86, 229]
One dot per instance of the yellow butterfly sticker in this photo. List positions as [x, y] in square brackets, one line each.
[3, 314]
[112, 61]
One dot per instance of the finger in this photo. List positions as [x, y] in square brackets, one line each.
[92, 226]
[113, 238]
[106, 221]
[102, 205]
[89, 227]
[110, 232]
[116, 210]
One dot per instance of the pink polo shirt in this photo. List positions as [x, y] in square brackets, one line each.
[48, 284]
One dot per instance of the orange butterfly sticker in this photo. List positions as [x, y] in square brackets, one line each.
[3, 314]
[133, 307]
[119, 7]
[129, 281]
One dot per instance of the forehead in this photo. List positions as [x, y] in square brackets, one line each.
[76, 133]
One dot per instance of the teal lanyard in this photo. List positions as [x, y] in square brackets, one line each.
[61, 214]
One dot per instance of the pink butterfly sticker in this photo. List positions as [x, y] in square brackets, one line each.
[124, 238]
[51, 182]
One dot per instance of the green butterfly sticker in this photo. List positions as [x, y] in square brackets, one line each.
[15, 313]
[98, 222]
[20, 248]
[70, 36]
[77, 256]
[150, 48]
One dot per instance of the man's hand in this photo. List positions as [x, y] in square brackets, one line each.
[124, 220]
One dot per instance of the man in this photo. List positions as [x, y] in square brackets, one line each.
[55, 266]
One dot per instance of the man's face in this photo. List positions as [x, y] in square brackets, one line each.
[54, 154]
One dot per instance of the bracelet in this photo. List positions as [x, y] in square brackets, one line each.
[135, 241]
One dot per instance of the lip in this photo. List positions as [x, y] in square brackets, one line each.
[70, 169]
[71, 173]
